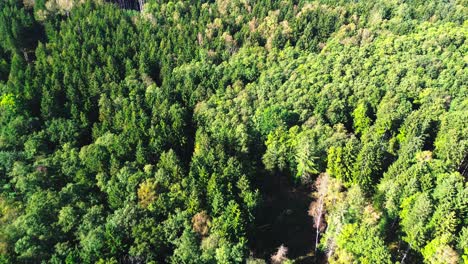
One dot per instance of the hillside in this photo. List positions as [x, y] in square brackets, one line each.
[233, 131]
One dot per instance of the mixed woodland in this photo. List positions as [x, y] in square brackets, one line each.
[233, 131]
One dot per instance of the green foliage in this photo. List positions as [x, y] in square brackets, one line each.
[18, 28]
[364, 243]
[167, 135]
[187, 250]
[451, 143]
[415, 214]
[362, 120]
[272, 118]
[340, 161]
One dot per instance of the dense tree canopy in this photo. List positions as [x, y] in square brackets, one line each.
[196, 131]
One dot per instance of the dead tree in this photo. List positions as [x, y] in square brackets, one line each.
[280, 255]
[317, 207]
[140, 4]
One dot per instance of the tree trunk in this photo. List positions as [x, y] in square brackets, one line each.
[406, 254]
[25, 54]
[318, 225]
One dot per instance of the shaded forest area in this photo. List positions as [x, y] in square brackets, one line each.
[129, 4]
[233, 131]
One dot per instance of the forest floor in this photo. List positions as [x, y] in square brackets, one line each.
[283, 220]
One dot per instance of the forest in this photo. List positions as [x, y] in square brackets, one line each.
[233, 131]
